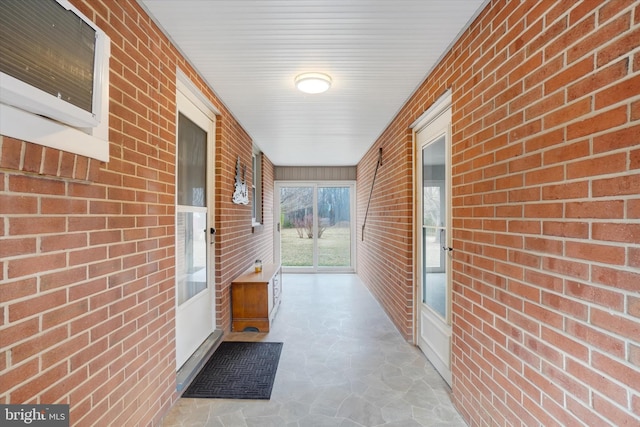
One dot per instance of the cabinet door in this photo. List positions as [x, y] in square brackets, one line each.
[250, 300]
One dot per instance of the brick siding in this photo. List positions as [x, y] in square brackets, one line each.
[546, 216]
[87, 267]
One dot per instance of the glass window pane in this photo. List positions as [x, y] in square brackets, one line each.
[296, 219]
[334, 227]
[433, 176]
[431, 206]
[191, 254]
[434, 286]
[434, 280]
[192, 157]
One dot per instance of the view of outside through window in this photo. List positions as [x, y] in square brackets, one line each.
[304, 245]
[431, 220]
[434, 291]
[191, 210]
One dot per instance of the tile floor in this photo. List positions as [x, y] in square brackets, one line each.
[343, 364]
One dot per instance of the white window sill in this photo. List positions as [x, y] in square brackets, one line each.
[30, 127]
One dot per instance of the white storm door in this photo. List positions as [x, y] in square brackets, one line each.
[433, 172]
[195, 315]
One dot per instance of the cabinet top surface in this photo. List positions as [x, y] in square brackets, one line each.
[268, 271]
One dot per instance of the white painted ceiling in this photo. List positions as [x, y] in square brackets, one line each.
[376, 51]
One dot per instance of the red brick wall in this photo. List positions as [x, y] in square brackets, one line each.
[87, 248]
[546, 213]
[385, 246]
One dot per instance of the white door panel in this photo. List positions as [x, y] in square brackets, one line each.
[195, 290]
[433, 232]
[435, 342]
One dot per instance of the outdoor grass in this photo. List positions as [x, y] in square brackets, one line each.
[334, 248]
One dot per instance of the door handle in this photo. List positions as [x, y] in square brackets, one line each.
[212, 231]
[442, 240]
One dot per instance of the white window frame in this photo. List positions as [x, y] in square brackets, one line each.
[30, 114]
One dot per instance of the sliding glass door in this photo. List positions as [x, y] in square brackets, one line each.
[316, 227]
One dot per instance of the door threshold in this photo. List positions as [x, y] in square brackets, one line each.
[192, 366]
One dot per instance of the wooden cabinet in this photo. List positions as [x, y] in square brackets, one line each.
[255, 298]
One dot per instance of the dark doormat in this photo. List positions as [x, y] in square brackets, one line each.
[238, 370]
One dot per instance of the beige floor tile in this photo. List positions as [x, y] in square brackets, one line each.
[343, 364]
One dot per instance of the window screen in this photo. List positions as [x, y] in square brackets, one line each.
[48, 47]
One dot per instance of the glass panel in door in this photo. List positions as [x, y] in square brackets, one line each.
[195, 312]
[297, 226]
[334, 227]
[435, 248]
[191, 221]
[191, 254]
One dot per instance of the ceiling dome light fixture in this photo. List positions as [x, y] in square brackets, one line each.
[313, 82]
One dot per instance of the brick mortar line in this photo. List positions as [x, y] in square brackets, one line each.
[564, 355]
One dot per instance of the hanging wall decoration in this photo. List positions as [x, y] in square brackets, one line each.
[240, 194]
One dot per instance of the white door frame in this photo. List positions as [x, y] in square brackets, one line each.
[196, 319]
[432, 333]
